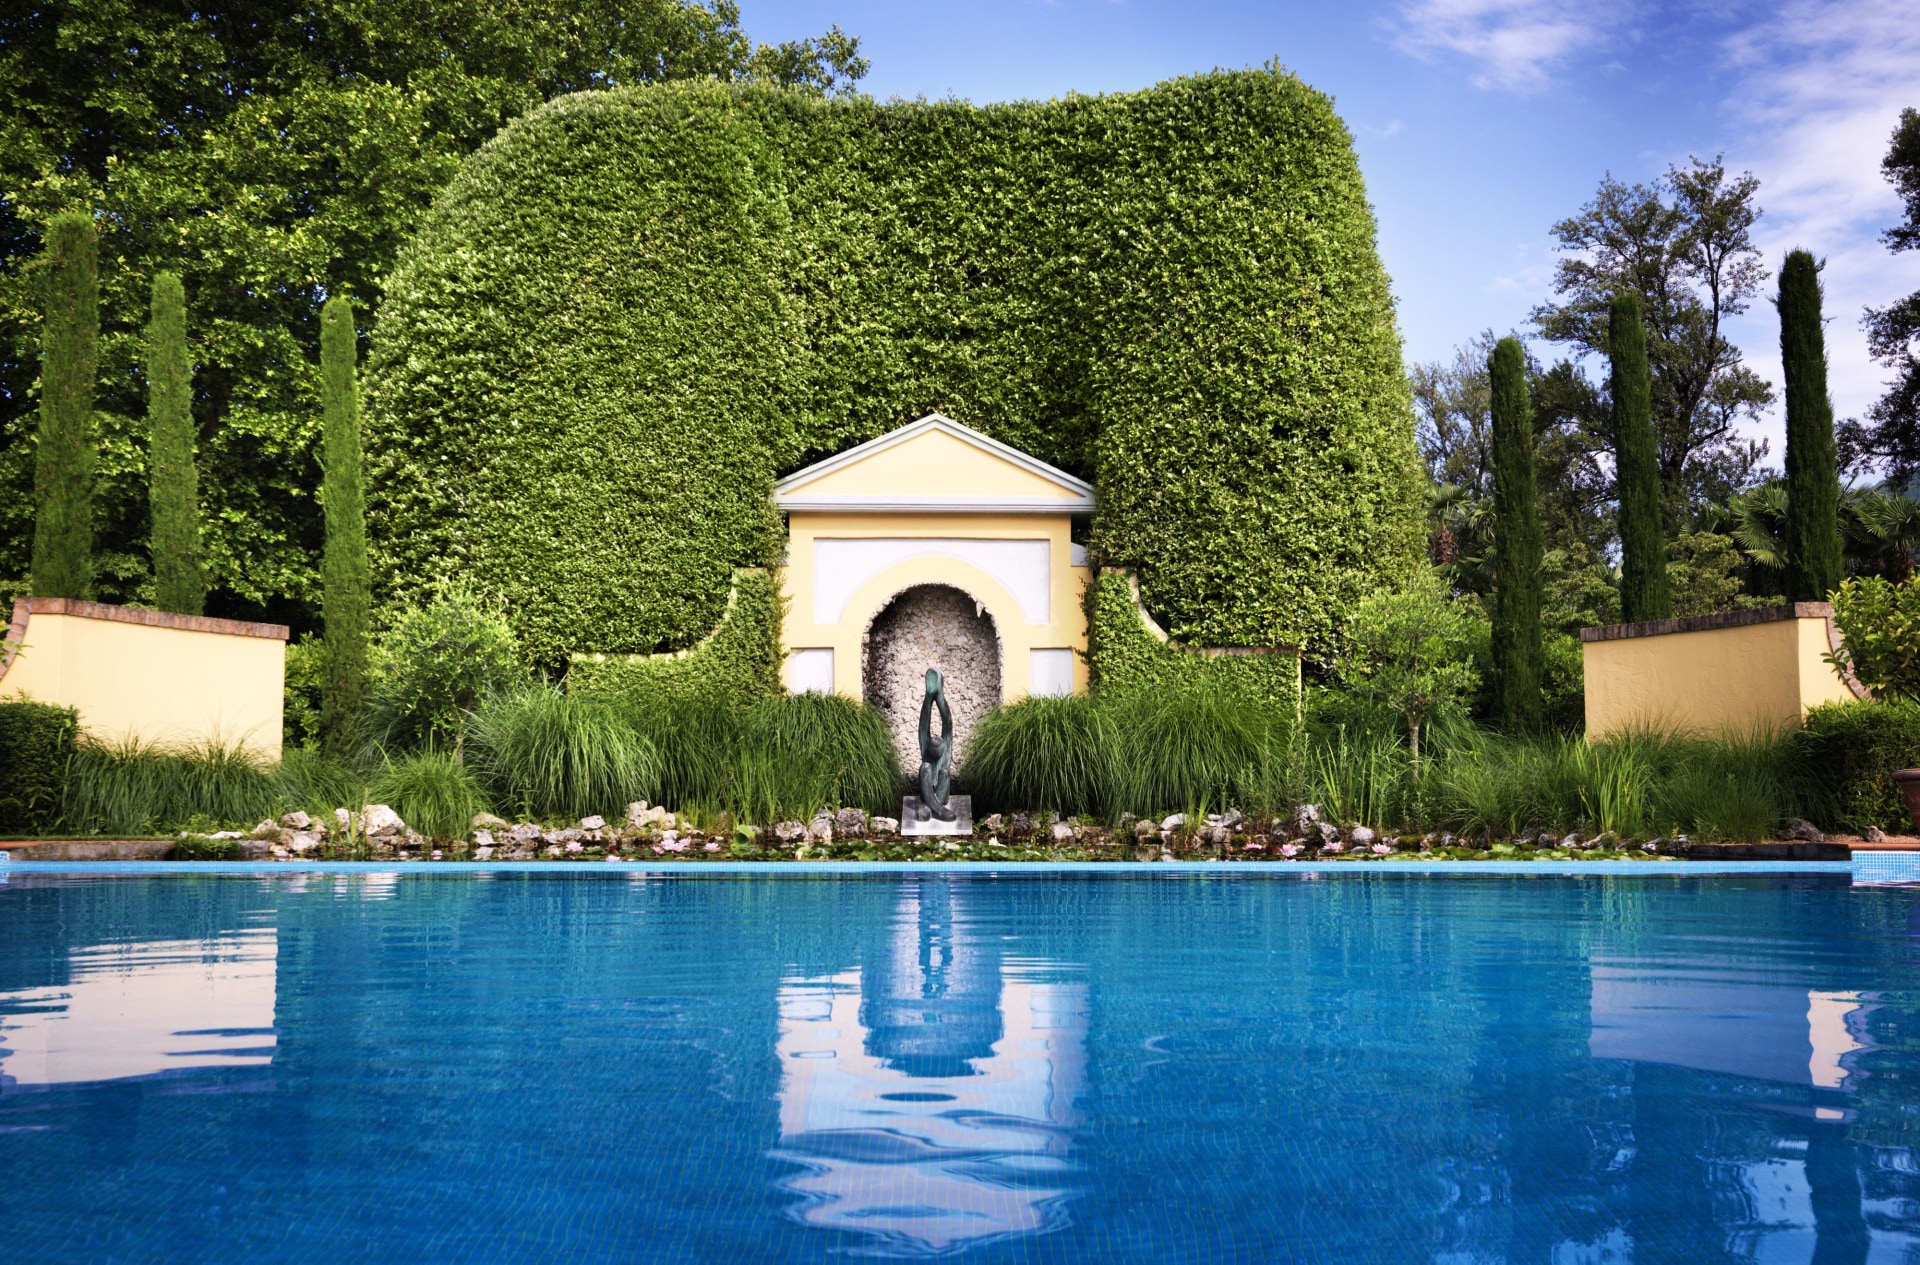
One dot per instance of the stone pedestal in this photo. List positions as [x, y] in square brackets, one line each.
[962, 824]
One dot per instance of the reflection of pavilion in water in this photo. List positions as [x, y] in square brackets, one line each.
[929, 1096]
[143, 1008]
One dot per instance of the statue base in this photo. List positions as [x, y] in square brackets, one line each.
[962, 823]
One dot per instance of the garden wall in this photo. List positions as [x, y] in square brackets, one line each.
[1733, 672]
[149, 675]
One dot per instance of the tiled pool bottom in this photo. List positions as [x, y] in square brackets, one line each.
[1124, 1066]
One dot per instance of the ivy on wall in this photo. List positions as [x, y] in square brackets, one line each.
[738, 662]
[633, 309]
[1125, 657]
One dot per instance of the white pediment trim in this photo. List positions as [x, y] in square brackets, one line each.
[790, 492]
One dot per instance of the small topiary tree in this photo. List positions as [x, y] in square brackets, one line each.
[1412, 651]
[173, 482]
[1518, 545]
[1814, 564]
[63, 460]
[1644, 593]
[344, 575]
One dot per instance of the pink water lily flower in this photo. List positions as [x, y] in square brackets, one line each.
[1289, 849]
[713, 845]
[1256, 847]
[1382, 848]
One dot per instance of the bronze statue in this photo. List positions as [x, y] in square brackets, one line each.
[936, 758]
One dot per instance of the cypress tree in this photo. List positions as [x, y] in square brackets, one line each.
[344, 576]
[1814, 566]
[1517, 543]
[1643, 548]
[69, 361]
[174, 485]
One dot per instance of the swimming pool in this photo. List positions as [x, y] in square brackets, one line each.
[1122, 1066]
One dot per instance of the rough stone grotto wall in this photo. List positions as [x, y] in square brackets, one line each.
[931, 626]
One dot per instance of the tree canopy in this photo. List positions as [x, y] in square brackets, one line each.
[274, 154]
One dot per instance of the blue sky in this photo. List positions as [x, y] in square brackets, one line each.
[1481, 122]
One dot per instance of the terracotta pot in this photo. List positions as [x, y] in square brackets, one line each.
[1908, 780]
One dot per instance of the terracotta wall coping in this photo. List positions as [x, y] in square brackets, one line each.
[1701, 623]
[26, 606]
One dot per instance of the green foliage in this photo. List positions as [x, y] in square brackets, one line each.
[1124, 657]
[1703, 574]
[1891, 432]
[304, 679]
[345, 578]
[278, 152]
[1411, 651]
[319, 783]
[1846, 757]
[1734, 789]
[1643, 554]
[1880, 635]
[69, 367]
[1046, 754]
[36, 746]
[1518, 545]
[433, 792]
[634, 307]
[737, 663]
[1201, 744]
[545, 753]
[1813, 486]
[435, 665]
[173, 480]
[134, 788]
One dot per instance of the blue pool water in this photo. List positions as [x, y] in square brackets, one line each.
[1086, 1067]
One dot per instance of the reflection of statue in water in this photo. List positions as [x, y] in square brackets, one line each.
[936, 758]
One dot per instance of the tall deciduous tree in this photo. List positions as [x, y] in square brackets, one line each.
[1684, 245]
[1518, 546]
[1891, 436]
[283, 149]
[173, 480]
[345, 580]
[1643, 549]
[1814, 566]
[69, 366]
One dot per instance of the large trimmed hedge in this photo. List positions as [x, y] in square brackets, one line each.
[632, 309]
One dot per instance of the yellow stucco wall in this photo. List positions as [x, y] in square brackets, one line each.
[955, 466]
[1759, 675]
[1065, 629]
[164, 685]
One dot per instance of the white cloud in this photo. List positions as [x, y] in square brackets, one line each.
[1819, 85]
[1517, 44]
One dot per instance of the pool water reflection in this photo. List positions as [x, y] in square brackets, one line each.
[1091, 1067]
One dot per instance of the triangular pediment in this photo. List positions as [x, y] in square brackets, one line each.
[934, 465]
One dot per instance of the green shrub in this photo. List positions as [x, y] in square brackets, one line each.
[545, 753]
[432, 791]
[1124, 656]
[134, 788]
[36, 747]
[305, 674]
[319, 783]
[632, 308]
[1880, 630]
[1845, 758]
[207, 850]
[1411, 651]
[435, 664]
[1047, 754]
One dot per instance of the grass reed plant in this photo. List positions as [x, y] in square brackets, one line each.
[433, 791]
[135, 788]
[1044, 754]
[544, 753]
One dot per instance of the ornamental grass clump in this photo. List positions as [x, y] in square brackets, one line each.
[1199, 743]
[433, 791]
[545, 753]
[845, 745]
[1047, 755]
[136, 788]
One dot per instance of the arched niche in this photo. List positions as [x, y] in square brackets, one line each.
[930, 626]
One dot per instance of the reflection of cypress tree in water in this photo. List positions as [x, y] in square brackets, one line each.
[930, 1000]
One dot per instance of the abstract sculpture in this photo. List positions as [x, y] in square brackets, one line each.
[936, 756]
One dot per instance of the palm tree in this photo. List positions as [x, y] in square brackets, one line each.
[1882, 527]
